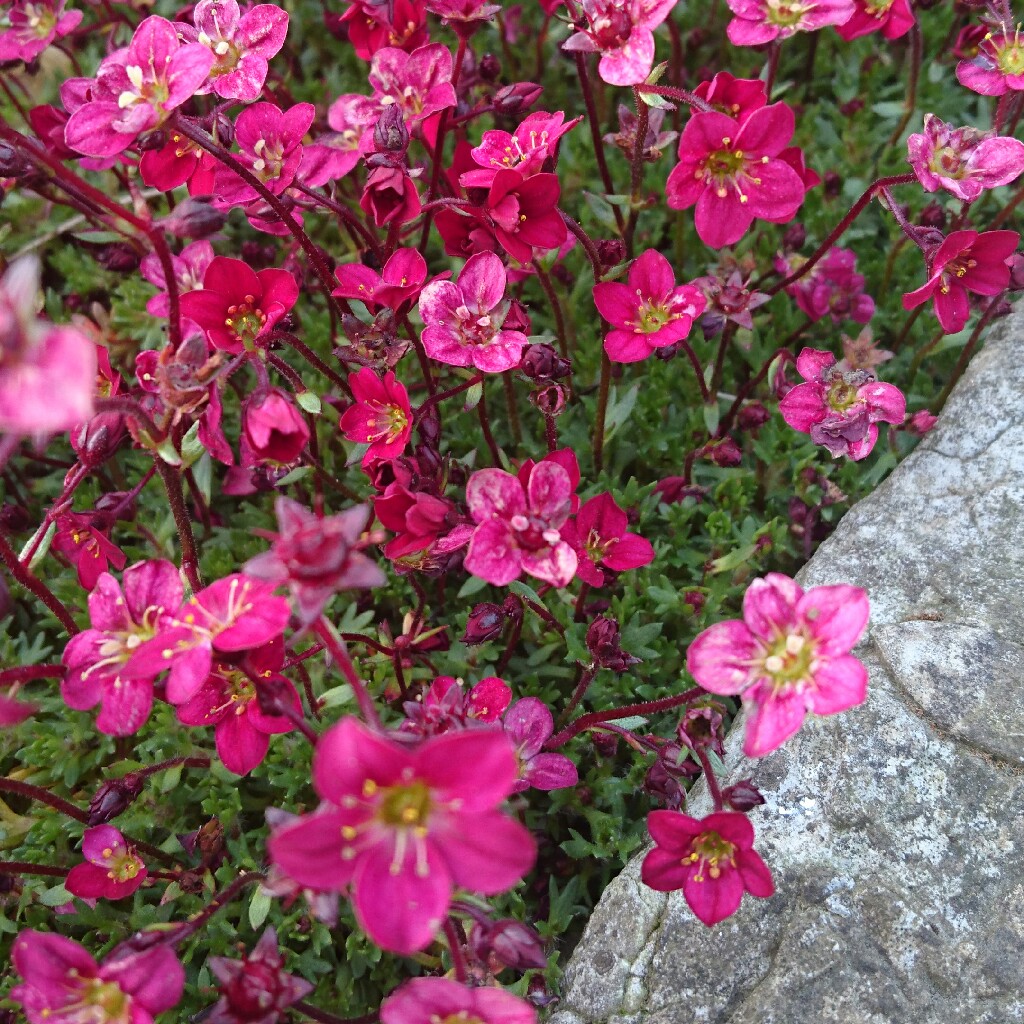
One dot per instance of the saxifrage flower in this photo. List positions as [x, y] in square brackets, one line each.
[112, 869]
[381, 415]
[433, 1000]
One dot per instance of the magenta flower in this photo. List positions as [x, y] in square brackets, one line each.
[47, 373]
[893, 18]
[255, 989]
[963, 161]
[189, 270]
[137, 88]
[33, 25]
[62, 982]
[241, 44]
[446, 706]
[374, 26]
[518, 527]
[14, 712]
[228, 701]
[88, 549]
[237, 306]
[418, 83]
[998, 65]
[599, 537]
[732, 171]
[761, 21]
[273, 429]
[523, 213]
[402, 828]
[840, 409]
[525, 150]
[398, 284]
[425, 1000]
[734, 97]
[622, 31]
[270, 144]
[834, 289]
[966, 261]
[463, 319]
[381, 415]
[316, 556]
[790, 654]
[529, 725]
[113, 870]
[711, 859]
[649, 312]
[180, 161]
[114, 663]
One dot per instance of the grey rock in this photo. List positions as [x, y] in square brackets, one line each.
[895, 831]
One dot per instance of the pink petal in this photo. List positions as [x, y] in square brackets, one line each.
[714, 899]
[126, 706]
[721, 658]
[616, 303]
[349, 754]
[556, 566]
[493, 492]
[239, 745]
[441, 763]
[839, 684]
[482, 282]
[493, 554]
[486, 852]
[770, 606]
[651, 274]
[837, 616]
[774, 718]
[309, 851]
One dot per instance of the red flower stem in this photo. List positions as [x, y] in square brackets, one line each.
[726, 421]
[577, 695]
[544, 614]
[67, 177]
[510, 647]
[9, 676]
[588, 244]
[352, 223]
[636, 179]
[433, 204]
[542, 37]
[602, 411]
[21, 867]
[360, 638]
[36, 586]
[171, 477]
[596, 136]
[317, 261]
[905, 226]
[451, 933]
[680, 95]
[581, 598]
[221, 900]
[911, 101]
[550, 432]
[336, 647]
[312, 358]
[307, 688]
[43, 796]
[556, 309]
[485, 428]
[965, 356]
[308, 653]
[174, 762]
[709, 776]
[1006, 212]
[442, 395]
[774, 53]
[649, 707]
[314, 1013]
[396, 661]
[834, 235]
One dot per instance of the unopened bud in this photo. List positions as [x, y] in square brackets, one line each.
[752, 416]
[742, 796]
[223, 129]
[514, 99]
[515, 944]
[12, 163]
[152, 140]
[932, 216]
[119, 257]
[833, 184]
[390, 134]
[485, 622]
[724, 453]
[612, 251]
[516, 319]
[97, 439]
[795, 236]
[604, 645]
[114, 798]
[193, 218]
[542, 362]
[490, 67]
[550, 400]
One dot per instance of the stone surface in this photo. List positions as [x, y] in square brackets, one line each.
[895, 831]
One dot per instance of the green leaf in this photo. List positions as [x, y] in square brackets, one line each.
[734, 559]
[192, 449]
[309, 401]
[44, 545]
[55, 896]
[259, 908]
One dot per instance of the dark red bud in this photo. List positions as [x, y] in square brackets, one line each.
[752, 416]
[114, 798]
[512, 606]
[485, 622]
[543, 363]
[118, 257]
[193, 218]
[795, 236]
[833, 184]
[514, 99]
[517, 319]
[932, 216]
[606, 743]
[612, 252]
[152, 140]
[490, 68]
[390, 134]
[223, 129]
[12, 163]
[550, 400]
[743, 796]
[724, 453]
[515, 944]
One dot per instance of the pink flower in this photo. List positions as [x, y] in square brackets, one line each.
[622, 31]
[446, 706]
[599, 537]
[241, 45]
[523, 213]
[893, 18]
[998, 66]
[966, 261]
[228, 701]
[529, 725]
[115, 662]
[963, 161]
[401, 828]
[189, 270]
[316, 556]
[840, 409]
[34, 24]
[649, 312]
[761, 21]
[463, 319]
[711, 859]
[381, 415]
[14, 712]
[834, 289]
[399, 283]
[374, 26]
[237, 306]
[525, 150]
[518, 527]
[273, 429]
[113, 870]
[180, 161]
[62, 982]
[270, 144]
[88, 549]
[789, 655]
[735, 97]
[425, 1000]
[255, 989]
[733, 172]
[47, 373]
[137, 88]
[418, 83]
[920, 423]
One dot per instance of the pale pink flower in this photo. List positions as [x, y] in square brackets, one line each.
[963, 161]
[34, 24]
[790, 654]
[419, 83]
[518, 527]
[429, 1000]
[463, 319]
[761, 21]
[137, 88]
[622, 31]
[529, 724]
[400, 828]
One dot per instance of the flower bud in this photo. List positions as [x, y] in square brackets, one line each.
[514, 943]
[742, 796]
[490, 68]
[514, 99]
[12, 163]
[273, 429]
[512, 606]
[603, 643]
[724, 453]
[612, 251]
[119, 257]
[485, 622]
[833, 184]
[752, 416]
[703, 727]
[550, 400]
[193, 218]
[920, 423]
[605, 743]
[223, 129]
[794, 238]
[932, 216]
[156, 139]
[543, 363]
[389, 133]
[1016, 265]
[517, 319]
[114, 798]
[97, 439]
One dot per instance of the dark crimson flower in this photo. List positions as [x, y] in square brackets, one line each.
[238, 306]
[372, 26]
[599, 536]
[486, 622]
[179, 161]
[87, 548]
[417, 518]
[523, 213]
[390, 195]
[997, 66]
[832, 288]
[447, 706]
[113, 870]
[381, 416]
[712, 860]
[604, 642]
[273, 429]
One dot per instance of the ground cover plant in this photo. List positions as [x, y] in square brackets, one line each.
[411, 420]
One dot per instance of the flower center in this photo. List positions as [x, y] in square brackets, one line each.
[387, 422]
[651, 317]
[476, 327]
[1009, 54]
[786, 15]
[723, 168]
[405, 806]
[246, 321]
[789, 660]
[612, 28]
[710, 852]
[462, 1017]
[597, 549]
[269, 159]
[108, 999]
[533, 533]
